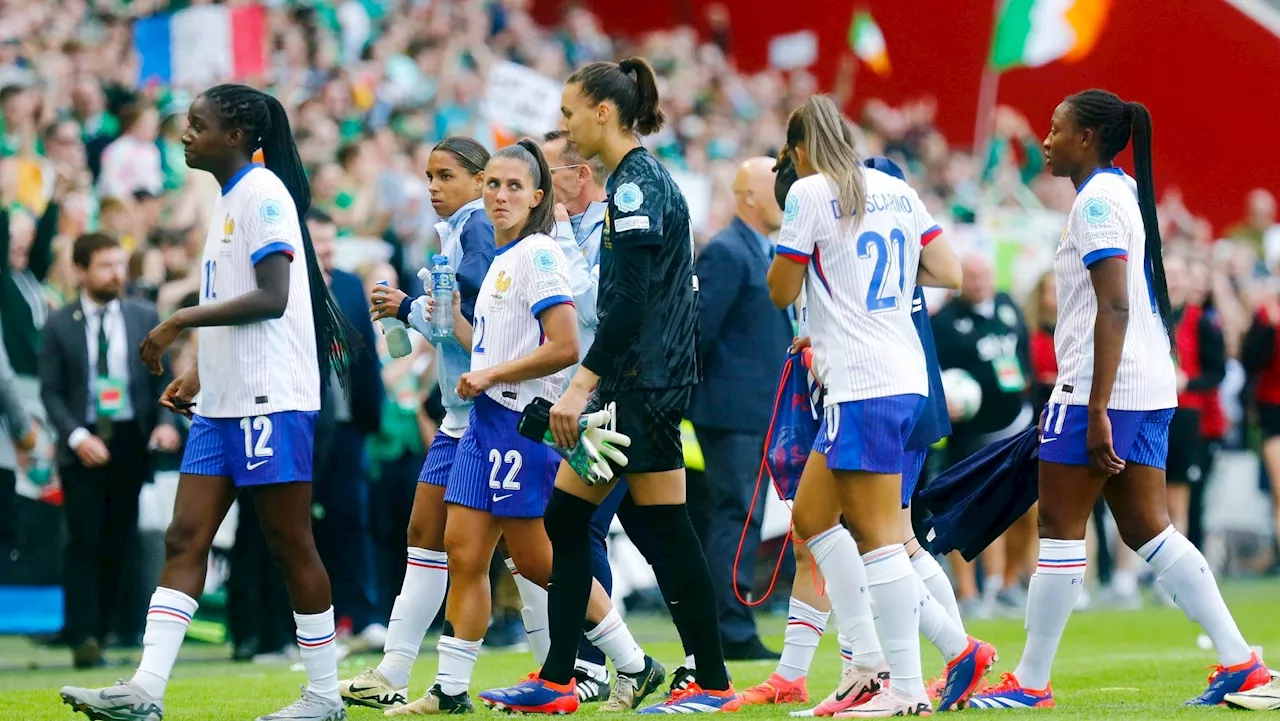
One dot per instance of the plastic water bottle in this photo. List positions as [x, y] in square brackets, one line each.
[443, 284]
[398, 344]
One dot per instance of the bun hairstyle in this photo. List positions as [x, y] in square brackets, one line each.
[635, 97]
[1114, 121]
[542, 218]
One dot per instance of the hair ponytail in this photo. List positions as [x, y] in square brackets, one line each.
[648, 116]
[636, 98]
[828, 139]
[264, 120]
[1140, 128]
[542, 217]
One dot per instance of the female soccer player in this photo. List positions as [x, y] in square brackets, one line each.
[644, 361]
[455, 170]
[268, 332]
[859, 235]
[1106, 427]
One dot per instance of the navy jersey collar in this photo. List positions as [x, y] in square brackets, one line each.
[239, 174]
[1112, 170]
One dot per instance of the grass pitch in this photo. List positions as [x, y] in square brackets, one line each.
[1112, 664]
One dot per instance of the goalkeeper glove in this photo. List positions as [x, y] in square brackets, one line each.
[597, 444]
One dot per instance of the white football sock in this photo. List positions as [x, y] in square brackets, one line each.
[937, 626]
[935, 579]
[457, 660]
[1185, 575]
[805, 625]
[534, 613]
[892, 585]
[690, 663]
[1051, 596]
[319, 649]
[837, 556]
[614, 638]
[426, 578]
[594, 670]
[168, 617]
[846, 650]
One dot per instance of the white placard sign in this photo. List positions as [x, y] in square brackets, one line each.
[521, 99]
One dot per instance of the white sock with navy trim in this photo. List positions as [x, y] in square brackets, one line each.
[805, 625]
[1055, 587]
[168, 617]
[319, 649]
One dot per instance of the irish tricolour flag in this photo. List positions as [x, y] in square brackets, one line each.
[867, 42]
[1032, 33]
[202, 45]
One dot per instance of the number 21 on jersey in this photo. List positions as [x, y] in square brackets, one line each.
[886, 252]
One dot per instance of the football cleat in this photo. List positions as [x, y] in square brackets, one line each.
[694, 699]
[373, 690]
[309, 707]
[774, 690]
[121, 702]
[1261, 698]
[630, 689]
[533, 695]
[1234, 679]
[888, 703]
[434, 702]
[965, 674]
[857, 686]
[1009, 693]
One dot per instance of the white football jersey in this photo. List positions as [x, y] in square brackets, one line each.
[861, 278]
[1105, 222]
[269, 366]
[526, 278]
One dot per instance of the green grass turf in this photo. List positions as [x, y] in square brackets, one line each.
[1138, 665]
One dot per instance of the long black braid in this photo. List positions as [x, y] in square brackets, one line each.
[266, 126]
[1114, 121]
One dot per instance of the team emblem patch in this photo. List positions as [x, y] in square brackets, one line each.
[502, 283]
[271, 211]
[628, 197]
[544, 261]
[228, 227]
[792, 211]
[1096, 211]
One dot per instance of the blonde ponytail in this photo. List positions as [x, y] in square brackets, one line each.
[831, 145]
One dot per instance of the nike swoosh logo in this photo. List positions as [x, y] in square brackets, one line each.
[252, 466]
[1047, 440]
[497, 498]
[362, 689]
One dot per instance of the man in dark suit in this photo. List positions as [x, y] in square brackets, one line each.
[343, 527]
[103, 403]
[743, 344]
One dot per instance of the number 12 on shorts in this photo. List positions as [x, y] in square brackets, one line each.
[261, 447]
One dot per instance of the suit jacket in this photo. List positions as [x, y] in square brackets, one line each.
[21, 333]
[744, 338]
[64, 371]
[365, 394]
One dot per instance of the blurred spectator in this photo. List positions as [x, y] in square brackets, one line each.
[102, 401]
[1259, 217]
[17, 437]
[982, 332]
[1042, 319]
[743, 343]
[343, 528]
[131, 163]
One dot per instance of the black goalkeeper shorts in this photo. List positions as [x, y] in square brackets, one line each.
[651, 418]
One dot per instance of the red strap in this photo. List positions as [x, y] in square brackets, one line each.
[760, 476]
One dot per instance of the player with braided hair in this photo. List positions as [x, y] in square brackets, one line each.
[268, 333]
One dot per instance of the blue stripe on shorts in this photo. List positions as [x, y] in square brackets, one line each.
[1140, 437]
[912, 468]
[440, 458]
[498, 470]
[253, 451]
[868, 435]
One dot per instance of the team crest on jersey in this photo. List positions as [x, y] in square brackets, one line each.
[1096, 211]
[544, 261]
[501, 284]
[228, 227]
[606, 235]
[628, 197]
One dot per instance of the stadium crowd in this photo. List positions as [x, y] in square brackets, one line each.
[372, 86]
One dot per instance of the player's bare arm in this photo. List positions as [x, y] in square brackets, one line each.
[560, 323]
[1110, 284]
[177, 396]
[267, 302]
[786, 278]
[939, 266]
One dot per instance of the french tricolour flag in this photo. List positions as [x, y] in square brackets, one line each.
[201, 46]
